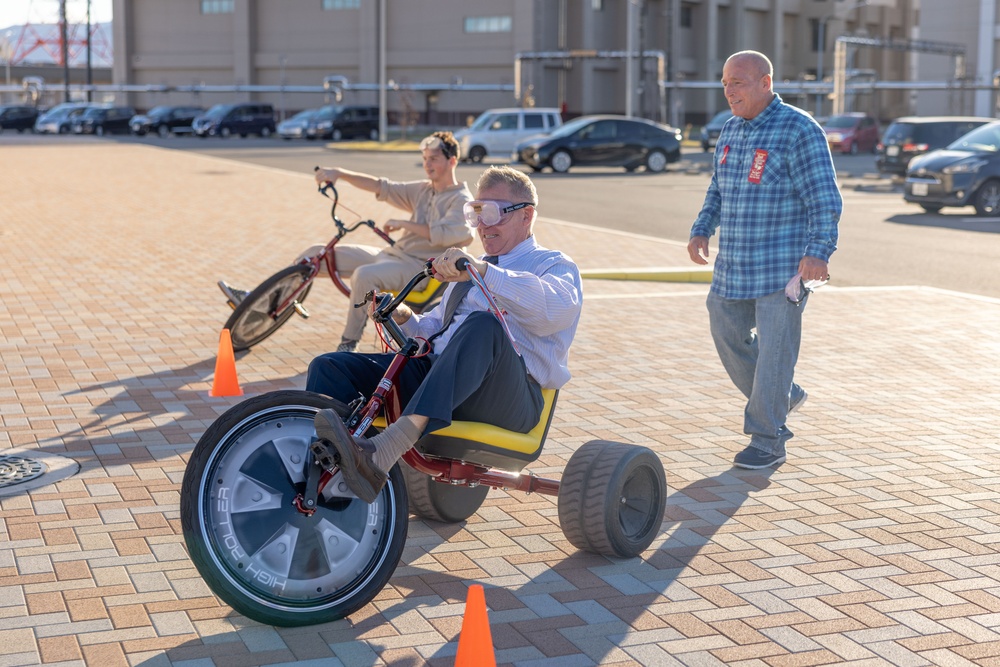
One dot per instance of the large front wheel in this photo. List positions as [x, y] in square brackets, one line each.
[255, 318]
[612, 498]
[253, 547]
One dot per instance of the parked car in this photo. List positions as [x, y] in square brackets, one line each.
[852, 133]
[343, 122]
[224, 120]
[165, 120]
[711, 130]
[296, 126]
[18, 117]
[910, 136]
[965, 173]
[612, 141]
[498, 131]
[59, 119]
[103, 120]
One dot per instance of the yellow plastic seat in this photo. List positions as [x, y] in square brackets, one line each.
[419, 300]
[487, 444]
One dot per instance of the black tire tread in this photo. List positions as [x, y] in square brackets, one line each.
[589, 495]
[438, 501]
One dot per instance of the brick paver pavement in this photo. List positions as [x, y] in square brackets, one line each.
[876, 543]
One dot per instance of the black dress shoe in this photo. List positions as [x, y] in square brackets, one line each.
[360, 473]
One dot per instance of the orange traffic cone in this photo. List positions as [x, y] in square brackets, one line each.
[225, 382]
[475, 644]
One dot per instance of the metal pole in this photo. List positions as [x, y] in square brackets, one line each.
[382, 96]
[819, 63]
[90, 70]
[64, 43]
[629, 61]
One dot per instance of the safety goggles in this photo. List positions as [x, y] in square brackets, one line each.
[490, 212]
[797, 289]
[432, 142]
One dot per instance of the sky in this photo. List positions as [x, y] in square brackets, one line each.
[19, 12]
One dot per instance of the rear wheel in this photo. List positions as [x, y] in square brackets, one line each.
[337, 135]
[265, 132]
[439, 501]
[561, 162]
[656, 162]
[253, 320]
[163, 131]
[931, 208]
[611, 498]
[225, 133]
[251, 545]
[477, 153]
[987, 199]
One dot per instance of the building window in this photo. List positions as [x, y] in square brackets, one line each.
[814, 34]
[341, 4]
[488, 24]
[216, 6]
[686, 18]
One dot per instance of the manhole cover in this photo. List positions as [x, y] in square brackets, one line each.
[18, 469]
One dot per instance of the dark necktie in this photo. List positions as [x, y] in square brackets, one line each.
[455, 298]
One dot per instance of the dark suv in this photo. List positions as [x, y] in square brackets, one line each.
[18, 117]
[224, 120]
[336, 122]
[165, 120]
[103, 120]
[911, 136]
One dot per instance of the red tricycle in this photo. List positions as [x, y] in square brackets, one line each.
[283, 541]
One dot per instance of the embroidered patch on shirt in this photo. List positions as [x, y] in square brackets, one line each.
[757, 166]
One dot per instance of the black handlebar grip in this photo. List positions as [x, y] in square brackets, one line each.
[462, 263]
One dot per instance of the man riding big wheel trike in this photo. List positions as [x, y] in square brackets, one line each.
[294, 504]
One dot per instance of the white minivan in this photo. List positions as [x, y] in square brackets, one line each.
[496, 131]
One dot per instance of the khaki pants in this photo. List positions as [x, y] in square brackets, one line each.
[368, 268]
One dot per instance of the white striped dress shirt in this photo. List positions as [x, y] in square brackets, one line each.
[539, 292]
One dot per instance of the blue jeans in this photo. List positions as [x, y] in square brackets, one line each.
[761, 364]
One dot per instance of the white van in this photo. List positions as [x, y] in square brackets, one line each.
[496, 131]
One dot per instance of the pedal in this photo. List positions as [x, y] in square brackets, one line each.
[324, 457]
[301, 310]
[231, 305]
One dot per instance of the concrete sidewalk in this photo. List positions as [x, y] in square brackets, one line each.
[876, 543]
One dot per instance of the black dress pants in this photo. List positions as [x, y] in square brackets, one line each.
[478, 377]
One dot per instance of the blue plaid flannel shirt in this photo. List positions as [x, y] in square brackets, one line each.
[773, 198]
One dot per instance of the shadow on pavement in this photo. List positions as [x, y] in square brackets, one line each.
[581, 608]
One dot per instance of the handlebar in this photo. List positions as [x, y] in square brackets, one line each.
[328, 186]
[386, 304]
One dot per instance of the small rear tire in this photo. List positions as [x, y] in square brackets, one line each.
[251, 321]
[611, 498]
[439, 501]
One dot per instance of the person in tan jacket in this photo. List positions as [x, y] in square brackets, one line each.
[436, 223]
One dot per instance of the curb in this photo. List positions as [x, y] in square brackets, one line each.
[664, 275]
